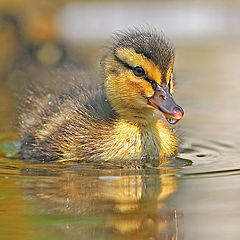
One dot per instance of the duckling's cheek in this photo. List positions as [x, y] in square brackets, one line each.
[146, 89]
[139, 89]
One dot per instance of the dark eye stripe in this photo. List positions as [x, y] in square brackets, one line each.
[122, 62]
[153, 83]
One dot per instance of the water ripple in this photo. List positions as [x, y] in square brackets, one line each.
[210, 158]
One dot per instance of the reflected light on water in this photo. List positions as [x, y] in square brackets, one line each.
[128, 204]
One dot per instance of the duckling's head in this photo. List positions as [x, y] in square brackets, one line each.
[139, 75]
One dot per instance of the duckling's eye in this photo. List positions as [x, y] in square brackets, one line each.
[139, 71]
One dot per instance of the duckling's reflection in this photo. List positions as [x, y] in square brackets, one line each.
[131, 204]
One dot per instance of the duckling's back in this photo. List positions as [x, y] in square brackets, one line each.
[73, 125]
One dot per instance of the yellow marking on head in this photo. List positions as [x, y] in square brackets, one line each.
[133, 59]
[171, 85]
[169, 75]
[126, 92]
[169, 71]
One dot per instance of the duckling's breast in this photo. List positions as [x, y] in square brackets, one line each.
[138, 140]
[125, 142]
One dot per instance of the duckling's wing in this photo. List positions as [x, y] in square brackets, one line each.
[65, 120]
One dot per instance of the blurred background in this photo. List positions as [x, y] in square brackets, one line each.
[41, 41]
[63, 36]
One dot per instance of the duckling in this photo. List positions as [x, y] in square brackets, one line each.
[117, 121]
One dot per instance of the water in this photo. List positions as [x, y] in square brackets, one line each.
[193, 198]
[196, 196]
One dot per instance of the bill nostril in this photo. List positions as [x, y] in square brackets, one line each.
[163, 97]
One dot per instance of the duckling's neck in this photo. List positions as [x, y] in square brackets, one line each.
[143, 117]
[138, 137]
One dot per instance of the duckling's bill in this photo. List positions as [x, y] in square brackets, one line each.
[163, 101]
